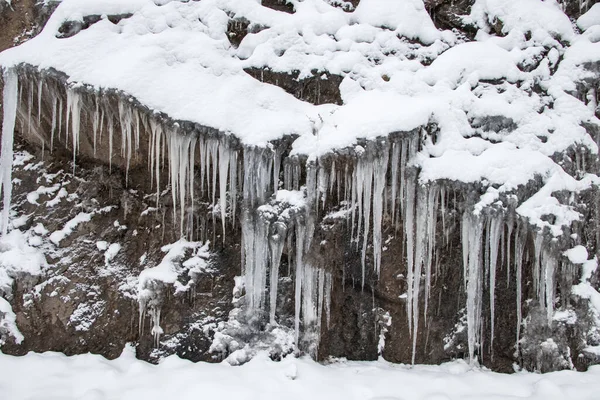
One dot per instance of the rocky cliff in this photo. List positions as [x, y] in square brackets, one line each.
[347, 179]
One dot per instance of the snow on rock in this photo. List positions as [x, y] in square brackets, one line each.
[577, 255]
[407, 18]
[8, 325]
[585, 289]
[388, 83]
[57, 236]
[543, 21]
[153, 282]
[18, 259]
[590, 18]
[457, 65]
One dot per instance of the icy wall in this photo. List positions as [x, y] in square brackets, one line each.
[411, 193]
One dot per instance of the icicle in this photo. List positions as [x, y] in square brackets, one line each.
[431, 221]
[190, 183]
[320, 299]
[255, 230]
[395, 164]
[510, 226]
[298, 282]
[472, 232]
[156, 136]
[443, 212]
[328, 288]
[276, 168]
[39, 103]
[493, 239]
[233, 168]
[276, 242]
[95, 123]
[10, 97]
[409, 232]
[550, 265]
[213, 149]
[74, 114]
[224, 165]
[156, 329]
[180, 150]
[538, 283]
[420, 250]
[136, 116]
[366, 215]
[379, 185]
[519, 249]
[53, 128]
[111, 130]
[126, 122]
[29, 107]
[332, 177]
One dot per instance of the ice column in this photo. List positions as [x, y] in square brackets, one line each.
[10, 97]
[472, 230]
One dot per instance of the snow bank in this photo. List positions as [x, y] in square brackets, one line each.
[52, 375]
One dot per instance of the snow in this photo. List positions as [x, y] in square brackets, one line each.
[590, 18]
[577, 255]
[18, 259]
[388, 86]
[152, 281]
[53, 375]
[585, 289]
[407, 18]
[8, 323]
[543, 20]
[57, 236]
[487, 60]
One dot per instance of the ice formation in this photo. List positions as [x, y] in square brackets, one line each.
[416, 122]
[10, 100]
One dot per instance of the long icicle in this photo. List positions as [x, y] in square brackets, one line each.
[10, 98]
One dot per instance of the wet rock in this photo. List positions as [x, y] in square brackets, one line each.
[279, 5]
[449, 15]
[320, 88]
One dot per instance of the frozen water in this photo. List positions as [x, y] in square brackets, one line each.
[10, 99]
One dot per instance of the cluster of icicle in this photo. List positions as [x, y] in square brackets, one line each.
[268, 228]
[363, 185]
[186, 156]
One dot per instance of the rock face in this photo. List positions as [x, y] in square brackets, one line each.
[179, 237]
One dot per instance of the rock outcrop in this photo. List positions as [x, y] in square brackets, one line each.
[140, 226]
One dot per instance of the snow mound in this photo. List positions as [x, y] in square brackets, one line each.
[590, 18]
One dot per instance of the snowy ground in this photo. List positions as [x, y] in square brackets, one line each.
[55, 376]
